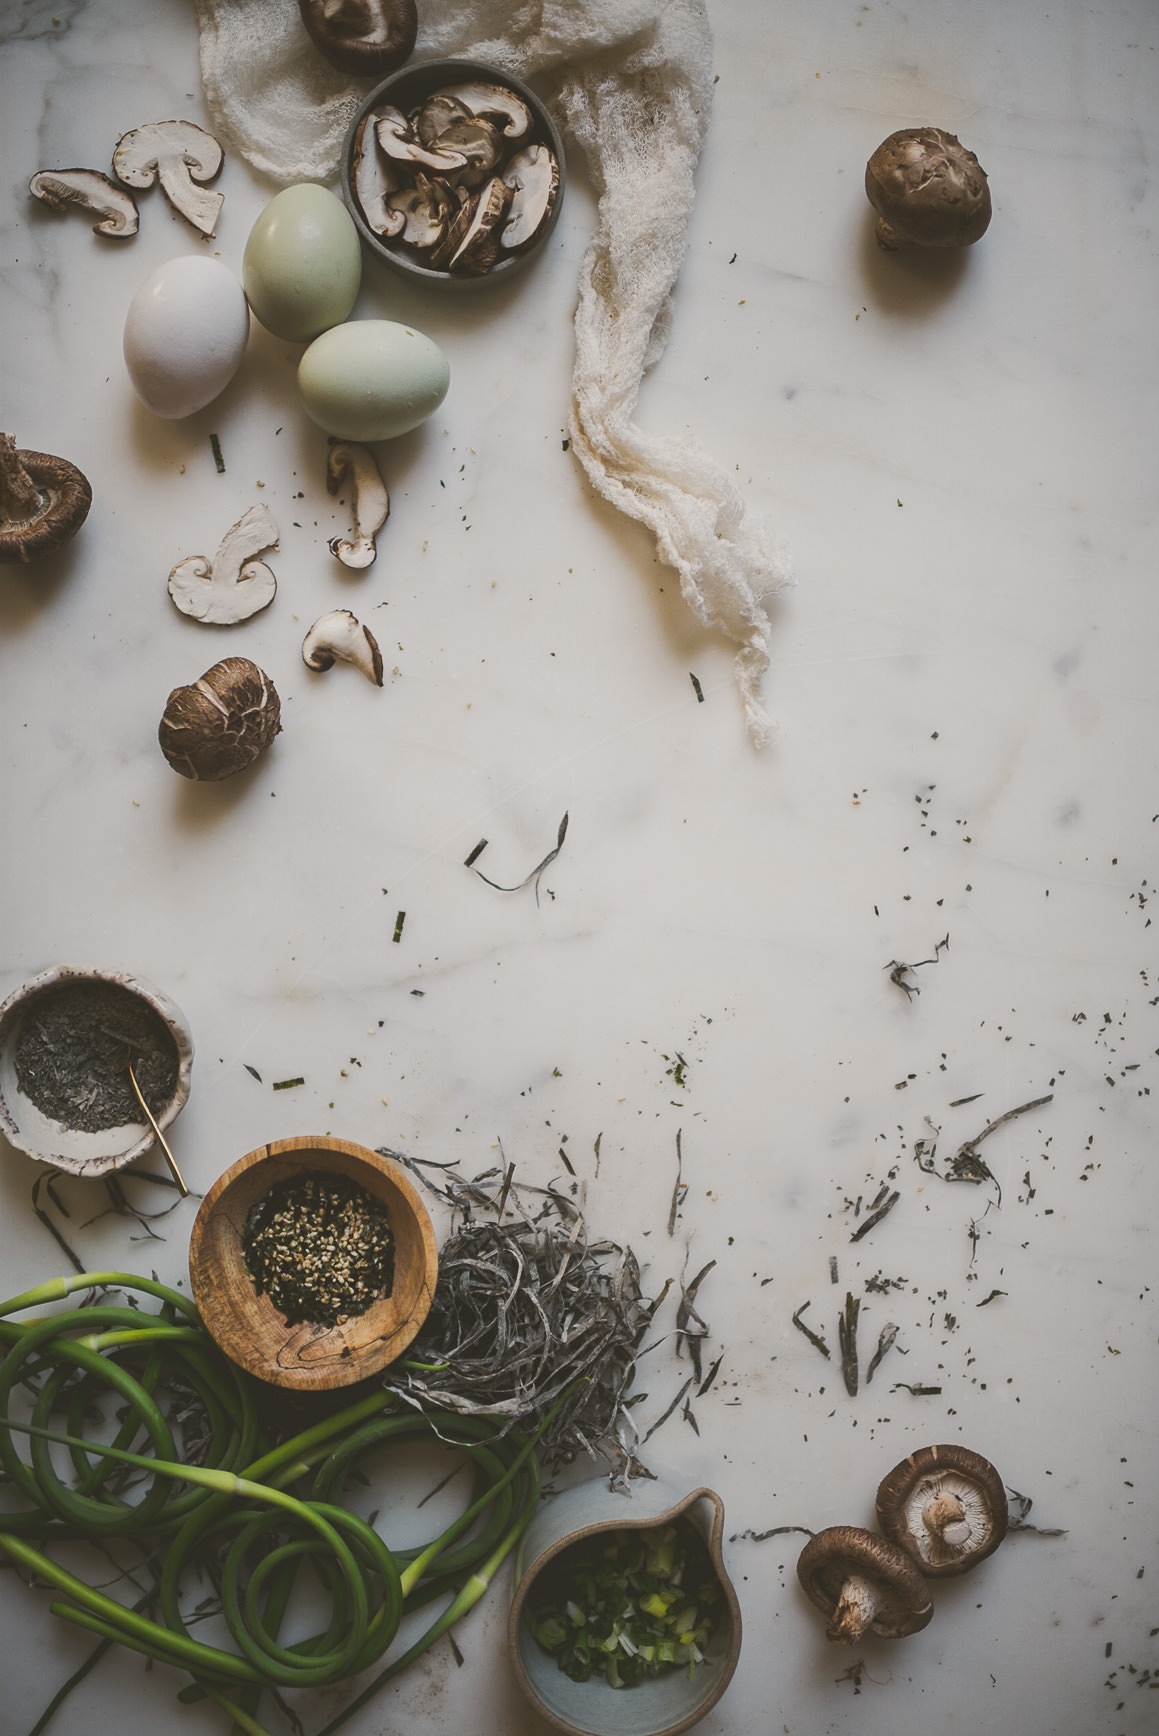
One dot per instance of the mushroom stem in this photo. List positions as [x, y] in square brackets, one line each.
[19, 496]
[945, 1518]
[859, 1602]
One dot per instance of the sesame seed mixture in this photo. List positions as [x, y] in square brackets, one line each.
[321, 1248]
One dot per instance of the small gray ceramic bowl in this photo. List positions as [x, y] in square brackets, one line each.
[406, 90]
[664, 1704]
[40, 1135]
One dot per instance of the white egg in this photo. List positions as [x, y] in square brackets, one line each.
[185, 335]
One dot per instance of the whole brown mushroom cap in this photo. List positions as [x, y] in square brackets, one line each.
[362, 37]
[43, 502]
[863, 1582]
[220, 724]
[928, 190]
[946, 1507]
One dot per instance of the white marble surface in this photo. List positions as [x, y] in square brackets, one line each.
[961, 456]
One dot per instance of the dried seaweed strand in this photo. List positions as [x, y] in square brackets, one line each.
[678, 1189]
[885, 1344]
[774, 1531]
[847, 1341]
[685, 1312]
[875, 1217]
[814, 1338]
[526, 1309]
[536, 871]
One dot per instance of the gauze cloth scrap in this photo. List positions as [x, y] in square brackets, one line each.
[631, 82]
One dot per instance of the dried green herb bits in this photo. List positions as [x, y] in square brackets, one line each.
[73, 1054]
[626, 1605]
[320, 1247]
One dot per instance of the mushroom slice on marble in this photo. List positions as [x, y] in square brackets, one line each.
[533, 176]
[398, 141]
[235, 584]
[43, 502]
[496, 102]
[946, 1507]
[351, 464]
[863, 1583]
[90, 191]
[182, 157]
[339, 637]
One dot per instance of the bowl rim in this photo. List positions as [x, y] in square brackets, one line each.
[664, 1508]
[46, 982]
[338, 1356]
[432, 74]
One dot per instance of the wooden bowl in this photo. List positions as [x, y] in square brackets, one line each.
[250, 1329]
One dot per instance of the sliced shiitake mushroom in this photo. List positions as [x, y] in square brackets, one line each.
[89, 191]
[182, 157]
[533, 176]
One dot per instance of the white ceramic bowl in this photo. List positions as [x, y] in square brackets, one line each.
[38, 1135]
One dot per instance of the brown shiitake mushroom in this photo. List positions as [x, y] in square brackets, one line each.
[43, 502]
[362, 37]
[220, 724]
[863, 1583]
[946, 1507]
[928, 190]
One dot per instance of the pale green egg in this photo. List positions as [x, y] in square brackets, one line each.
[303, 263]
[372, 379]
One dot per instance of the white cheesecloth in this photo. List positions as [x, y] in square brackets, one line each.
[630, 81]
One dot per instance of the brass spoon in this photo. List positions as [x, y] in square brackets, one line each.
[160, 1137]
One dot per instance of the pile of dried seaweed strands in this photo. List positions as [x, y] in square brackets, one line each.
[528, 1312]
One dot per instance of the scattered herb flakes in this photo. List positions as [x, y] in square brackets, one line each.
[398, 925]
[215, 448]
[288, 1084]
[252, 1071]
[468, 861]
[696, 688]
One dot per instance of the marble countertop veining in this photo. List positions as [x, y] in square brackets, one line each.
[960, 455]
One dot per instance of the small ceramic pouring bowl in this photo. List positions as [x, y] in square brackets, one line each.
[664, 1704]
[39, 1135]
